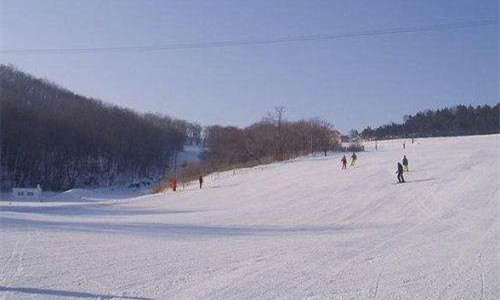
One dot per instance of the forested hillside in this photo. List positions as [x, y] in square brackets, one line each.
[455, 121]
[53, 137]
[273, 138]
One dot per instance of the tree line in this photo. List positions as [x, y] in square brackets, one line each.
[454, 121]
[274, 138]
[56, 138]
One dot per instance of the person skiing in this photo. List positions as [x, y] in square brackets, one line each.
[401, 179]
[173, 184]
[344, 163]
[353, 158]
[201, 180]
[405, 163]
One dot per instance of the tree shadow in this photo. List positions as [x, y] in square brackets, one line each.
[62, 293]
[89, 209]
[185, 230]
[422, 180]
[222, 186]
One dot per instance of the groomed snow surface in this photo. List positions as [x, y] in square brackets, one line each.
[302, 229]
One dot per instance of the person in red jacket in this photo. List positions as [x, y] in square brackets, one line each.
[173, 184]
[344, 163]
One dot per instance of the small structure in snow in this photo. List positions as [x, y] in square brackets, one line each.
[27, 194]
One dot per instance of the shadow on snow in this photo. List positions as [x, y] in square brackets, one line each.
[94, 209]
[61, 293]
[184, 230]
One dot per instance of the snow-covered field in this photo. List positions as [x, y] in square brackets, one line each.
[302, 229]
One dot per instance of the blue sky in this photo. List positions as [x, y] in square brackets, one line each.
[351, 82]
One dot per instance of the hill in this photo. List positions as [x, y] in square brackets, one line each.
[297, 229]
[61, 140]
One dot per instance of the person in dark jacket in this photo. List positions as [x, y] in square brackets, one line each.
[353, 159]
[400, 173]
[201, 180]
[405, 163]
[344, 163]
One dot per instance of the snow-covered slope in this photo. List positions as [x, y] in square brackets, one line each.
[302, 229]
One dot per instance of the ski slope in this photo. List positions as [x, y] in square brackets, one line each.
[302, 229]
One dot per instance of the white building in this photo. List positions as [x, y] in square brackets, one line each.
[27, 194]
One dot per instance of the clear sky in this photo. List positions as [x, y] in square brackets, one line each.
[351, 82]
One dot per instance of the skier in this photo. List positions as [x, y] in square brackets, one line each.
[344, 163]
[353, 158]
[404, 145]
[173, 184]
[201, 180]
[405, 163]
[400, 173]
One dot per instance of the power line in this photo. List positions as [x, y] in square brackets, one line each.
[243, 42]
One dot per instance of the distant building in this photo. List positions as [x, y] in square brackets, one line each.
[27, 194]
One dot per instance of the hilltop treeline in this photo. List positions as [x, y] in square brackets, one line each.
[458, 120]
[274, 138]
[53, 137]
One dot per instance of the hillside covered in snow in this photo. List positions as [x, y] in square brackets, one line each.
[300, 229]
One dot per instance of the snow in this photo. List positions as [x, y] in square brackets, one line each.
[301, 229]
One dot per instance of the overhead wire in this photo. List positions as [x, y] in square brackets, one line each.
[263, 41]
